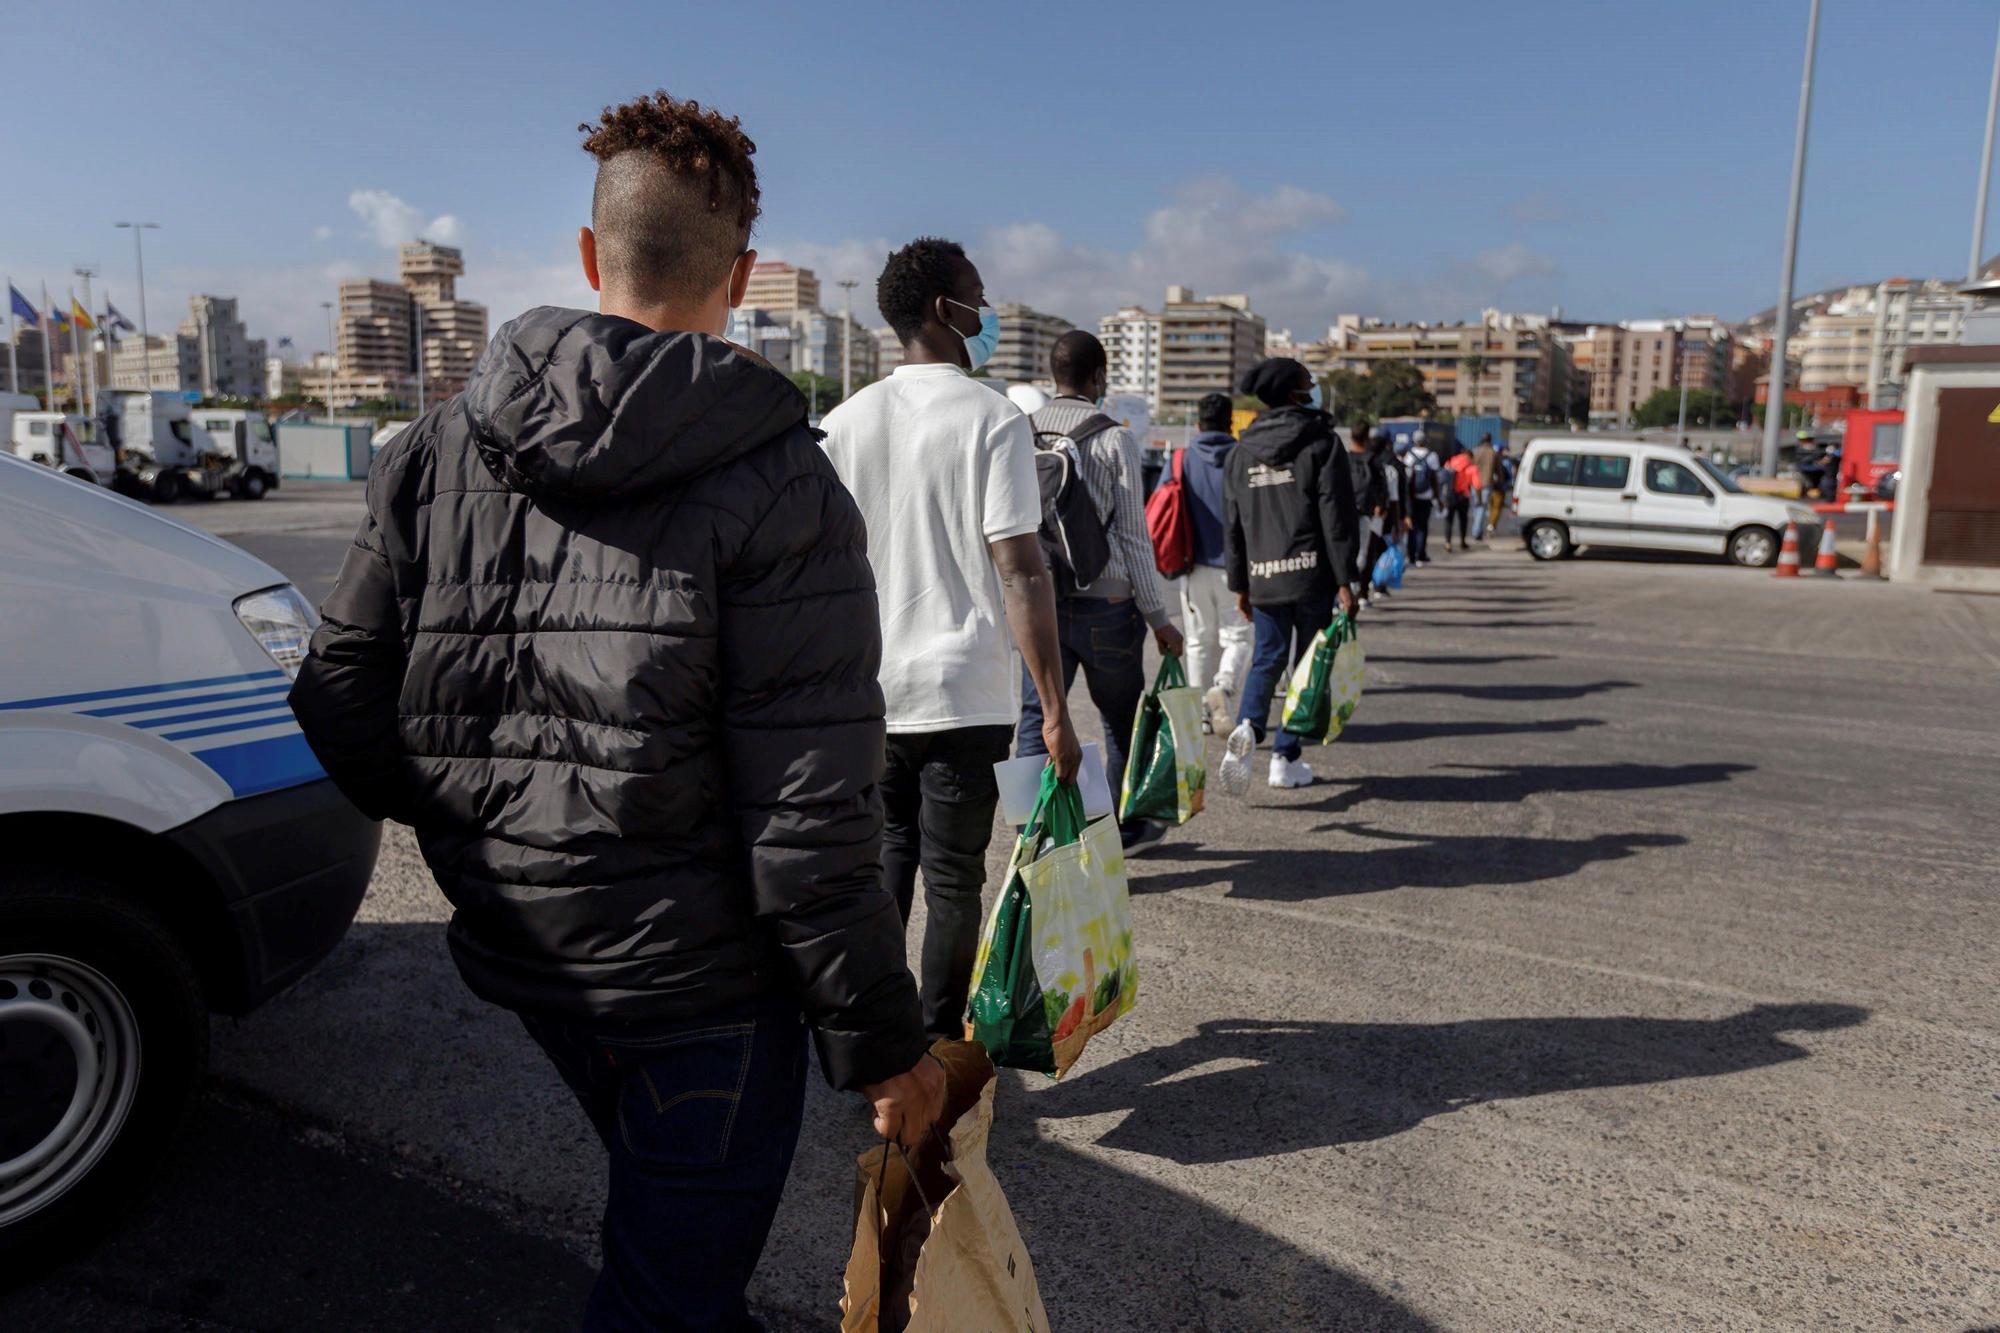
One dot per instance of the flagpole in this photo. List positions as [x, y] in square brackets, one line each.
[76, 346]
[48, 354]
[90, 377]
[13, 369]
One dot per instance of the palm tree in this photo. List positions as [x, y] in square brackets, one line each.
[1470, 367]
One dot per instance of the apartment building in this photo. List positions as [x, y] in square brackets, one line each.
[1027, 337]
[781, 288]
[888, 351]
[819, 342]
[1861, 336]
[1505, 365]
[1206, 343]
[1131, 341]
[372, 334]
[769, 336]
[453, 331]
[211, 353]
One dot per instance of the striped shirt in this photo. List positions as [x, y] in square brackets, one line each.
[1111, 475]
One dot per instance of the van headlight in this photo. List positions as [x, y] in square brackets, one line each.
[281, 622]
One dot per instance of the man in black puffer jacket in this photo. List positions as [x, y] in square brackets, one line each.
[1289, 538]
[608, 640]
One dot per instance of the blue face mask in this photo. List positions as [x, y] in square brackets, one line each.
[981, 345]
[1317, 398]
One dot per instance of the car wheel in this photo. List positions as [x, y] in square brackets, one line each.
[166, 488]
[1753, 547]
[103, 1037]
[1548, 540]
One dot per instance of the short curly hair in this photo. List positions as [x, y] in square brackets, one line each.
[913, 279]
[676, 195]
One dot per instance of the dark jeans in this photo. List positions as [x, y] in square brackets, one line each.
[1108, 640]
[700, 1118]
[938, 795]
[1420, 530]
[1284, 633]
[1458, 518]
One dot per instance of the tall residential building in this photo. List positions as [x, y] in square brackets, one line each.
[1131, 341]
[1860, 337]
[820, 344]
[1205, 345]
[888, 351]
[454, 331]
[1027, 337]
[373, 333]
[211, 354]
[781, 288]
[1505, 365]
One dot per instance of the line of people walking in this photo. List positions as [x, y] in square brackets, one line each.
[682, 696]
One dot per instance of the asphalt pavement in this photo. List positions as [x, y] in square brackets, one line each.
[1629, 966]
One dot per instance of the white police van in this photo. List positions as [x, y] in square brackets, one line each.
[172, 846]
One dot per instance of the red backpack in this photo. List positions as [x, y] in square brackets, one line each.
[1169, 523]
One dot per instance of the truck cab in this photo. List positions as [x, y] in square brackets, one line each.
[1873, 449]
[247, 438]
[165, 455]
[66, 441]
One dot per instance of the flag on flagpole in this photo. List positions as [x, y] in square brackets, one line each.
[80, 315]
[57, 319]
[115, 321]
[22, 310]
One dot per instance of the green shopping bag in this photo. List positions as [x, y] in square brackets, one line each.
[1166, 768]
[1055, 963]
[1326, 685]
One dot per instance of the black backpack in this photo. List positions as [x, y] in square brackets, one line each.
[1073, 534]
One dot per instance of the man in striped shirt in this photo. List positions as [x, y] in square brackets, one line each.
[1102, 628]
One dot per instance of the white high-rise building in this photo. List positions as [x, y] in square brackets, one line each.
[1131, 341]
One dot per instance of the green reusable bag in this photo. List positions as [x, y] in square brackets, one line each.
[1055, 963]
[1166, 767]
[1326, 685]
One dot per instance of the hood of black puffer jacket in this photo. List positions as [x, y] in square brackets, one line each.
[1278, 435]
[570, 404]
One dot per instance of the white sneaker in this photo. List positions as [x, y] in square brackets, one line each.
[1366, 603]
[1236, 752]
[1290, 772]
[1215, 707]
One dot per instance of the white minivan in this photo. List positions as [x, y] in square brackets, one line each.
[172, 846]
[1577, 490]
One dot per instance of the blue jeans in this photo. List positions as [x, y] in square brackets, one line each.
[1284, 633]
[1108, 640]
[701, 1118]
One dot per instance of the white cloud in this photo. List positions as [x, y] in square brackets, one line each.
[322, 233]
[1211, 235]
[390, 221]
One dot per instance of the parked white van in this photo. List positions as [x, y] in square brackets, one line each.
[172, 846]
[1579, 490]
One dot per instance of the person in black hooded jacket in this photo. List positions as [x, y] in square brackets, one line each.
[607, 639]
[1289, 533]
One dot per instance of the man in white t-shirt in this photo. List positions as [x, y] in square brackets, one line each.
[943, 468]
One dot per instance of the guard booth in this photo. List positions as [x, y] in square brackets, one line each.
[1947, 531]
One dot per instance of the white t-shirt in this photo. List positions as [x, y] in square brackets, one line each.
[940, 465]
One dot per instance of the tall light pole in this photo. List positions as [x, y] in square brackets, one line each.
[332, 355]
[418, 308]
[138, 230]
[1774, 398]
[847, 339]
[1985, 174]
[86, 272]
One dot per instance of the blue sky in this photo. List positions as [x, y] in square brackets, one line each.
[1620, 159]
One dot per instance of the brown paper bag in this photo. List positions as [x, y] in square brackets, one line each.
[935, 1246]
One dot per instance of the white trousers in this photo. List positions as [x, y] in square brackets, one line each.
[1218, 637]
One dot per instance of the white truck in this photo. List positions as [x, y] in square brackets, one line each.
[247, 437]
[65, 441]
[163, 455]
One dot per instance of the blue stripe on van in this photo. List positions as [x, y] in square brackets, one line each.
[238, 724]
[154, 705]
[266, 765]
[57, 700]
[205, 714]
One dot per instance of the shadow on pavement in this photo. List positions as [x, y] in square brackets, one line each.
[1494, 783]
[1363, 733]
[1282, 1087]
[249, 1227]
[1420, 861]
[1496, 660]
[1513, 693]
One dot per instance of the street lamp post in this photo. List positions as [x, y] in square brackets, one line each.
[332, 356]
[1985, 174]
[138, 230]
[90, 385]
[1774, 398]
[847, 340]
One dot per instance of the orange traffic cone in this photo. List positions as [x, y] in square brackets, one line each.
[1871, 560]
[1788, 554]
[1826, 564]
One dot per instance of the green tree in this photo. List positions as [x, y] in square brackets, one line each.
[1396, 389]
[1470, 368]
[1706, 407]
[822, 391]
